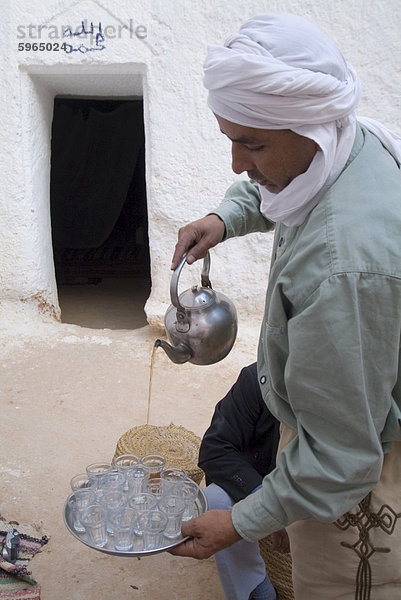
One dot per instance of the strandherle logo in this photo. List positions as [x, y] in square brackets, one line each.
[86, 35]
[85, 27]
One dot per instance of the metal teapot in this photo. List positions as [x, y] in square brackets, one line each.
[201, 324]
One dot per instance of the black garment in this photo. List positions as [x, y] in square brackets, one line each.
[240, 445]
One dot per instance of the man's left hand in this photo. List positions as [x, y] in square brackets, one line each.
[210, 532]
[280, 541]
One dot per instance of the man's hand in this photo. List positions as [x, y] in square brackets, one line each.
[280, 541]
[210, 532]
[198, 237]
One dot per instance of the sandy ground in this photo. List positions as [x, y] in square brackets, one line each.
[68, 393]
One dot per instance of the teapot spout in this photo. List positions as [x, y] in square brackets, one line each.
[178, 354]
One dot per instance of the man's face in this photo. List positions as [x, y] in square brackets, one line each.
[273, 157]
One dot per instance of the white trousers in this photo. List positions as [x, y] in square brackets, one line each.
[240, 567]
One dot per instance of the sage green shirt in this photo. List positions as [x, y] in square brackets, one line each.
[329, 351]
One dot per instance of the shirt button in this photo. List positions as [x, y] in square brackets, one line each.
[262, 379]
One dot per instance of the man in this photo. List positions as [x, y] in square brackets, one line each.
[237, 450]
[328, 358]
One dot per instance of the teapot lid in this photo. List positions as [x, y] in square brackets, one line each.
[197, 297]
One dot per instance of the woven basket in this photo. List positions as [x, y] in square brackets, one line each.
[279, 569]
[178, 445]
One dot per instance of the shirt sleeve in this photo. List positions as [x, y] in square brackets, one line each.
[339, 374]
[240, 210]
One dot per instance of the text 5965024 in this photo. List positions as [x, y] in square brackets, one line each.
[41, 46]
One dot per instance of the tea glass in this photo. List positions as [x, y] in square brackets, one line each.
[112, 481]
[123, 521]
[81, 482]
[140, 503]
[189, 492]
[77, 503]
[137, 477]
[94, 519]
[152, 523]
[155, 463]
[124, 463]
[154, 486]
[172, 479]
[173, 507]
[95, 471]
[112, 502]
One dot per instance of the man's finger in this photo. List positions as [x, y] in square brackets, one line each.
[196, 238]
[192, 548]
[184, 549]
[180, 251]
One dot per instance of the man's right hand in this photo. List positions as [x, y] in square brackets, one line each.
[196, 238]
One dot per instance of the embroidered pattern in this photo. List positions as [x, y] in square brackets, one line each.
[365, 520]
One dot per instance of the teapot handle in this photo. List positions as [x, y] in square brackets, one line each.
[205, 281]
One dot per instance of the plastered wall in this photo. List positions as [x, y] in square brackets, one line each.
[153, 48]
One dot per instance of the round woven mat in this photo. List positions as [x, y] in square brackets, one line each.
[279, 569]
[178, 445]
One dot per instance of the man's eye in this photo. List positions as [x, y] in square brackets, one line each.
[254, 148]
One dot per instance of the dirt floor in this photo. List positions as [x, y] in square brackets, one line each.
[68, 392]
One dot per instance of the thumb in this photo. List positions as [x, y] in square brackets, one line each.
[188, 528]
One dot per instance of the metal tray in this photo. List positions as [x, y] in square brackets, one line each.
[201, 507]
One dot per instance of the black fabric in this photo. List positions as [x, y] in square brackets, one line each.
[95, 149]
[240, 446]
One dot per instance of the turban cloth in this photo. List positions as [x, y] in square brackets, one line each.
[282, 72]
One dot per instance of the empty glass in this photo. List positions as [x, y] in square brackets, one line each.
[155, 463]
[137, 478]
[173, 507]
[152, 523]
[154, 486]
[189, 491]
[112, 502]
[123, 521]
[112, 481]
[77, 503]
[74, 506]
[140, 503]
[172, 479]
[124, 463]
[94, 518]
[96, 470]
[81, 482]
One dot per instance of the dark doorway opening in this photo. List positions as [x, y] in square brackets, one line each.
[99, 211]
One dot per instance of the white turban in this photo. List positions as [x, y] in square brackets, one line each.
[281, 72]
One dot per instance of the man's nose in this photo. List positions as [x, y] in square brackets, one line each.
[241, 161]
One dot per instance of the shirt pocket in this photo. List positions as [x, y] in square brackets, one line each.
[275, 329]
[275, 346]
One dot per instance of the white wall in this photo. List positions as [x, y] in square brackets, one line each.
[187, 159]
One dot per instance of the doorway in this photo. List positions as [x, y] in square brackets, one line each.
[99, 211]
